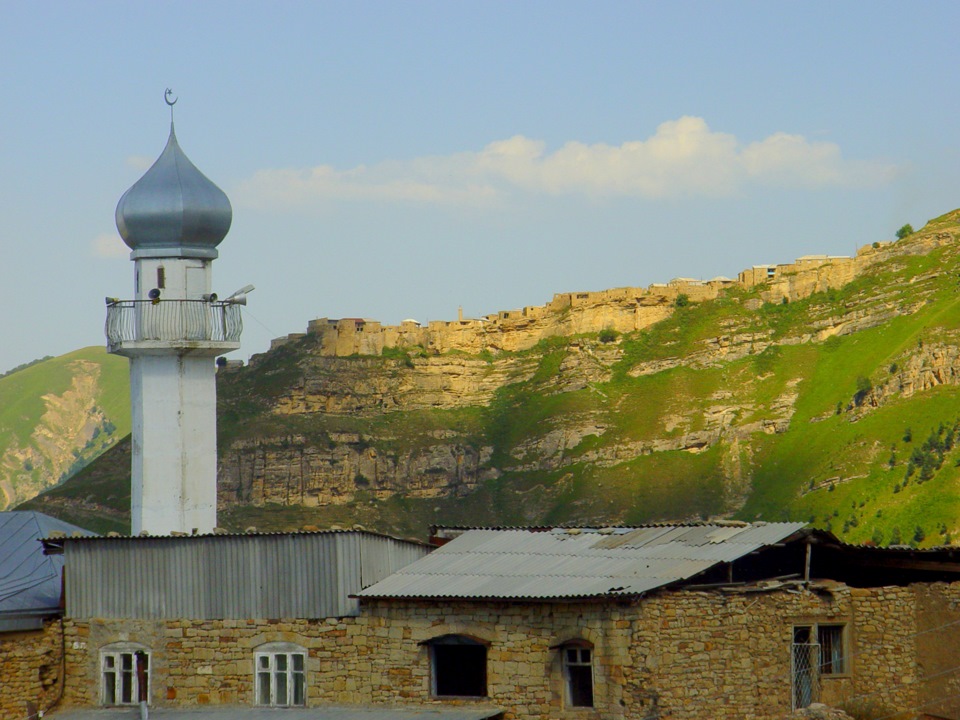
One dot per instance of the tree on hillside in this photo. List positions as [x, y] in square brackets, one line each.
[904, 231]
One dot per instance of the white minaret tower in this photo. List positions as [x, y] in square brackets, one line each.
[172, 219]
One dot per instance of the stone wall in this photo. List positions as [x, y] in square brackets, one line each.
[679, 655]
[29, 669]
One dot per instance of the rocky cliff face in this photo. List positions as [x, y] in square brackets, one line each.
[369, 386]
[433, 425]
[70, 424]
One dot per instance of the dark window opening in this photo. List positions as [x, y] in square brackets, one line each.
[161, 277]
[578, 676]
[459, 666]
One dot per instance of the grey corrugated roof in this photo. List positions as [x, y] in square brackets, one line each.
[574, 563]
[419, 712]
[29, 580]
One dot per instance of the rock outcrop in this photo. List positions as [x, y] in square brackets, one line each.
[70, 422]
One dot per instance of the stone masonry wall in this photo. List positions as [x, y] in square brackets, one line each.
[29, 669]
[737, 647]
[678, 655]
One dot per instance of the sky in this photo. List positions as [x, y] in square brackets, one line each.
[395, 160]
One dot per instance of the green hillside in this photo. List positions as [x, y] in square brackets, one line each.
[56, 415]
[839, 409]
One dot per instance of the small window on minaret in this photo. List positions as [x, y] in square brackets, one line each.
[161, 277]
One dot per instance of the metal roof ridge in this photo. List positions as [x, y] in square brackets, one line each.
[597, 528]
[265, 533]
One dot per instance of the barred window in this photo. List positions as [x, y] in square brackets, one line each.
[818, 651]
[833, 658]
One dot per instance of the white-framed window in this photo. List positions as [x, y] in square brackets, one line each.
[280, 675]
[577, 659]
[458, 666]
[124, 674]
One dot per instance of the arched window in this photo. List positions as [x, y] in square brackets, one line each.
[458, 666]
[577, 660]
[280, 674]
[124, 674]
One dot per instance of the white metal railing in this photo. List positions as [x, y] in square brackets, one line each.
[172, 321]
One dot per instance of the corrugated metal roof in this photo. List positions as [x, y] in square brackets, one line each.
[415, 712]
[574, 563]
[253, 533]
[29, 580]
[289, 575]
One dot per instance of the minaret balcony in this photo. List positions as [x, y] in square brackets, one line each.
[144, 327]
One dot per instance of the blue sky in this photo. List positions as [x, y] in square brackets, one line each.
[401, 159]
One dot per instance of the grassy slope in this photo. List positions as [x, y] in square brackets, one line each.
[21, 393]
[22, 404]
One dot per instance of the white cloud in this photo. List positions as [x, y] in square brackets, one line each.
[140, 162]
[109, 246]
[683, 157]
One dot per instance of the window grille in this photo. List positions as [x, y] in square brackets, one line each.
[832, 656]
[818, 651]
[805, 674]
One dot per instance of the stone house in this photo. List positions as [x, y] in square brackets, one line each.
[721, 620]
[30, 584]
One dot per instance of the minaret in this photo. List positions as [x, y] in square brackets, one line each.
[172, 219]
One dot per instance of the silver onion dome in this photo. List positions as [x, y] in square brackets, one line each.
[174, 210]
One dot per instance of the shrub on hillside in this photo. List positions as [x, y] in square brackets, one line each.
[905, 231]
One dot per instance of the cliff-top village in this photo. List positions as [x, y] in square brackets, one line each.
[620, 309]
